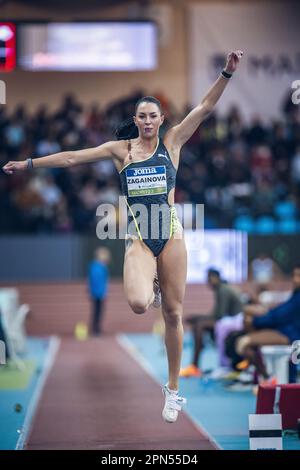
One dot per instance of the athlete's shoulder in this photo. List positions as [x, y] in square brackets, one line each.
[119, 149]
[170, 140]
[117, 145]
[173, 149]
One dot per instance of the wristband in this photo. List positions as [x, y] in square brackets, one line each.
[226, 74]
[29, 164]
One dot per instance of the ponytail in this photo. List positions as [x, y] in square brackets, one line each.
[127, 130]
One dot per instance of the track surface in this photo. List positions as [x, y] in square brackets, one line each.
[98, 397]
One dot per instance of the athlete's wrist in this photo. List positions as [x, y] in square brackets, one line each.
[226, 74]
[29, 164]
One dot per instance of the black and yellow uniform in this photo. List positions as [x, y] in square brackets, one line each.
[148, 183]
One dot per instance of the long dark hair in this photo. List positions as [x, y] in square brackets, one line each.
[127, 129]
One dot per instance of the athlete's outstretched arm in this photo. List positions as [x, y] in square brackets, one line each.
[65, 159]
[183, 131]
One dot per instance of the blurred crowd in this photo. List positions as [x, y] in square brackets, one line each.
[243, 173]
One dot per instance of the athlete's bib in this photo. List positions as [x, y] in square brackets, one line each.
[146, 181]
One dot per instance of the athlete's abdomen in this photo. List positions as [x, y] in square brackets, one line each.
[146, 186]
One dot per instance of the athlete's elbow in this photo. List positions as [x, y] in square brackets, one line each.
[207, 107]
[69, 159]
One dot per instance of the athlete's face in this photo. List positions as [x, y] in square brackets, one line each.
[148, 119]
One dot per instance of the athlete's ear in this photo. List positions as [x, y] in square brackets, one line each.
[162, 118]
[134, 119]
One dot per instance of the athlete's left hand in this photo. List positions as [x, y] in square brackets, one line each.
[233, 59]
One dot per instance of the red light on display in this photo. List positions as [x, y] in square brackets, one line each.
[7, 47]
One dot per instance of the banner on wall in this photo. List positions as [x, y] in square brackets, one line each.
[268, 33]
[224, 250]
[7, 47]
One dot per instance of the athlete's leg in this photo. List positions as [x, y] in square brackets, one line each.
[172, 266]
[139, 271]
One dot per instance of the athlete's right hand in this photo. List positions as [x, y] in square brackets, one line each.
[12, 167]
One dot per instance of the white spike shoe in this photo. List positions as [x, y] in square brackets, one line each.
[173, 404]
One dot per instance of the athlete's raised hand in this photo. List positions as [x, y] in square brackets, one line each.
[233, 58]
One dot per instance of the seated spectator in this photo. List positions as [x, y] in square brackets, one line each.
[278, 326]
[227, 302]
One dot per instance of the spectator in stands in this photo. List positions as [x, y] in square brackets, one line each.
[233, 168]
[262, 271]
[295, 167]
[48, 145]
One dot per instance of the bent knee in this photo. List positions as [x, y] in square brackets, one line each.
[139, 306]
[242, 344]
